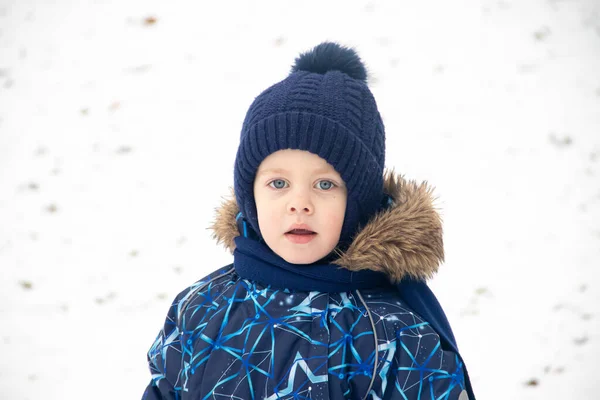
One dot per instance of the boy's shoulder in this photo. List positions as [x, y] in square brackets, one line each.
[183, 297]
[214, 276]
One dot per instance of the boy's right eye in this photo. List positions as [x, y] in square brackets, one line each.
[278, 184]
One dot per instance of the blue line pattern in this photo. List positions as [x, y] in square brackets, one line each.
[226, 337]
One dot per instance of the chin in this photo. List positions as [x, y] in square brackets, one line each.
[298, 254]
[301, 259]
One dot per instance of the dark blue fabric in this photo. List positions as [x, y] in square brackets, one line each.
[330, 56]
[226, 336]
[255, 261]
[418, 296]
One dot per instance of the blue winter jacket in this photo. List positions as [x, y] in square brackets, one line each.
[362, 326]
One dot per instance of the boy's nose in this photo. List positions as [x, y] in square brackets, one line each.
[301, 204]
[307, 210]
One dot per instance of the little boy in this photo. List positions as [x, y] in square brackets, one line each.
[326, 297]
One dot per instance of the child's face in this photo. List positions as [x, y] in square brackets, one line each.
[298, 187]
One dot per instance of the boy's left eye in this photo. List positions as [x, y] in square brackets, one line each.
[325, 185]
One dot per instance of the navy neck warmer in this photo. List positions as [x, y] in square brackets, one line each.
[254, 260]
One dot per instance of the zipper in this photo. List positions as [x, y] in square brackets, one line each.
[376, 358]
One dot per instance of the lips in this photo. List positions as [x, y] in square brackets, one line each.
[300, 234]
[300, 229]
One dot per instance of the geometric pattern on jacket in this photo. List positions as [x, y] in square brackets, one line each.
[224, 335]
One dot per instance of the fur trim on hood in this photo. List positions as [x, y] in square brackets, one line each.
[404, 240]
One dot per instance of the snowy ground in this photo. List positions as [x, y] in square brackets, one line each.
[118, 128]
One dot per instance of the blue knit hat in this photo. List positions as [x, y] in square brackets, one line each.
[325, 107]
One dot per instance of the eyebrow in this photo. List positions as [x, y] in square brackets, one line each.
[272, 170]
[323, 170]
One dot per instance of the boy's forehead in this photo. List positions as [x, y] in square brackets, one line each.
[294, 161]
[297, 168]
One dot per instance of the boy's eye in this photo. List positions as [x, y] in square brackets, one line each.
[278, 184]
[325, 185]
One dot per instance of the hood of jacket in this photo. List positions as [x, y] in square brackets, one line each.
[403, 240]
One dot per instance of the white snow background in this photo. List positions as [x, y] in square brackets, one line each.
[119, 123]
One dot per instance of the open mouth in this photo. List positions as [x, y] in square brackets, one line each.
[301, 232]
[300, 236]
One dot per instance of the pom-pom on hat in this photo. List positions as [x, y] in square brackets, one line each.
[331, 57]
[325, 107]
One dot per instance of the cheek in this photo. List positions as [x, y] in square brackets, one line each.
[335, 216]
[337, 220]
[341, 209]
[268, 216]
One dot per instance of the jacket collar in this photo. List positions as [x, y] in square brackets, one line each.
[403, 240]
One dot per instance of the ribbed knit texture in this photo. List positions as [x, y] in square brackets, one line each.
[331, 115]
